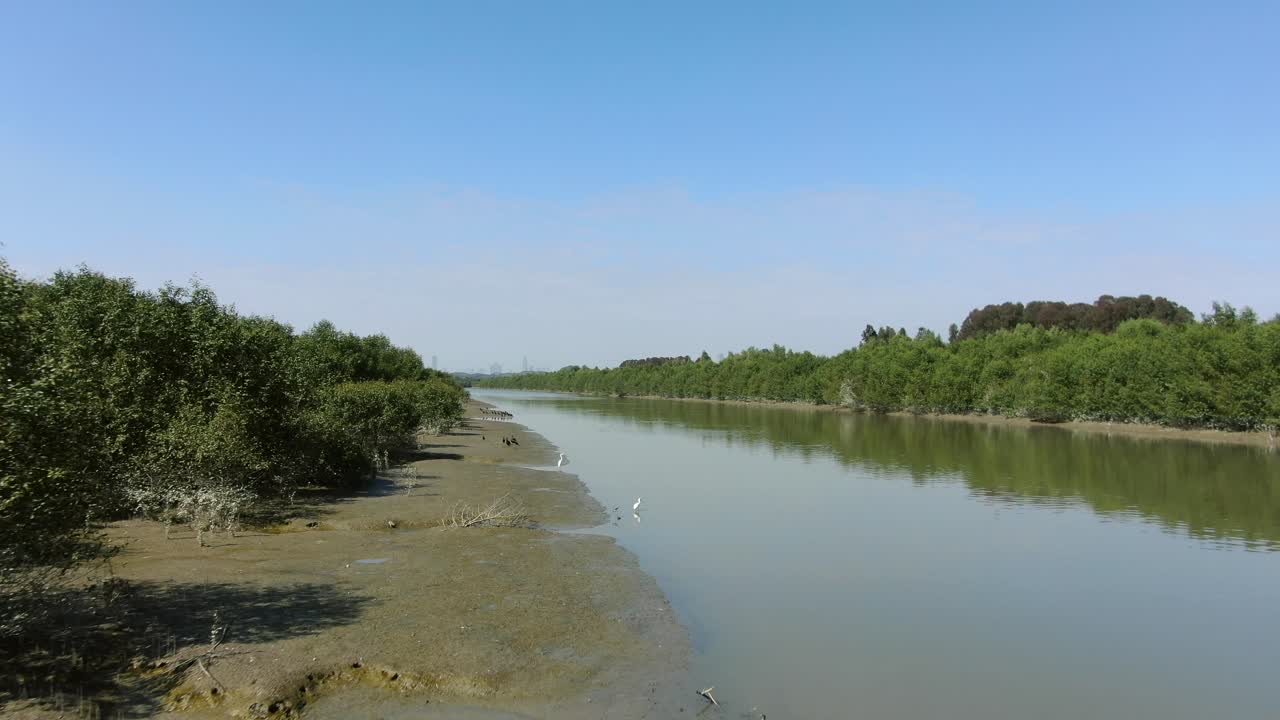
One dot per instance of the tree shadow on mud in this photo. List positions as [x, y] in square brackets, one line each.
[314, 502]
[96, 651]
[311, 502]
[426, 454]
[389, 484]
[461, 430]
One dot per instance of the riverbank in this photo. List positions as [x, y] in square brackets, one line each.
[1137, 430]
[363, 606]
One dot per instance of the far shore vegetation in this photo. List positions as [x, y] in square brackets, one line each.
[1119, 359]
[118, 402]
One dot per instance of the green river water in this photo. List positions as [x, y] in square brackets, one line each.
[850, 566]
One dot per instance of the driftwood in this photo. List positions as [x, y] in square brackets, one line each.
[706, 693]
[205, 670]
[217, 634]
[503, 512]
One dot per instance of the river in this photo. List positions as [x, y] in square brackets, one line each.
[833, 565]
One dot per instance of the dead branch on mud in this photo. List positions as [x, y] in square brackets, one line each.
[502, 512]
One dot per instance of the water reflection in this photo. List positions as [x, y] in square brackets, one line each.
[835, 566]
[1227, 494]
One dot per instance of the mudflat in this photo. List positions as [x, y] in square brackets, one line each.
[364, 605]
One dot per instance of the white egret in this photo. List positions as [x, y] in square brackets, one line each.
[636, 507]
[563, 460]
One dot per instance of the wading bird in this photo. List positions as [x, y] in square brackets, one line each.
[636, 507]
[562, 460]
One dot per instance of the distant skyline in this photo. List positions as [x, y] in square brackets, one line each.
[583, 183]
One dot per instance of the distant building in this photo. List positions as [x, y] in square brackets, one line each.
[495, 369]
[525, 366]
[435, 363]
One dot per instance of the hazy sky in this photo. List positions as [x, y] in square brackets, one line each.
[587, 182]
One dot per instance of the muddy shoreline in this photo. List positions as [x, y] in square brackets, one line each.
[1254, 438]
[363, 606]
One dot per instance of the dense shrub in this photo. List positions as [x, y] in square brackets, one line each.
[346, 357]
[111, 394]
[360, 423]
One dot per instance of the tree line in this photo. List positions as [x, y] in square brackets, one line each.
[1222, 371]
[1104, 315]
[654, 361]
[109, 393]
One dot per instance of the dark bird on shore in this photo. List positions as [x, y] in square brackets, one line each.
[513, 441]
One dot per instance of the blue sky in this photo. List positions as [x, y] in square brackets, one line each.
[587, 182]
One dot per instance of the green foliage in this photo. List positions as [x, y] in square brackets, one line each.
[360, 422]
[1220, 373]
[1104, 315]
[658, 361]
[753, 374]
[108, 388]
[345, 357]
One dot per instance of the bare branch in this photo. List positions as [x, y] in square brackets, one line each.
[502, 512]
